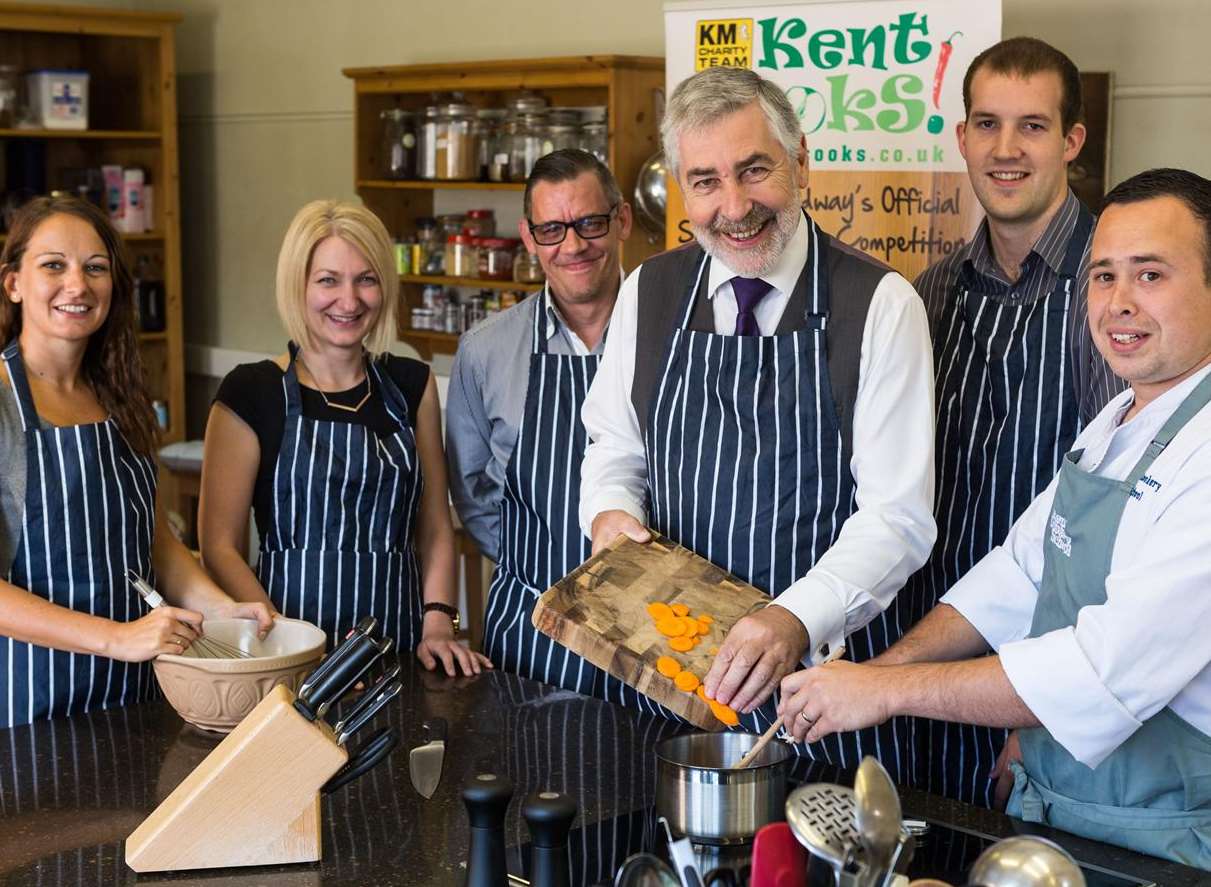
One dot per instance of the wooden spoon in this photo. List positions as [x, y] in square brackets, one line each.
[772, 730]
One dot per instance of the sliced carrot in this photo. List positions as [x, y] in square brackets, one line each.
[670, 626]
[687, 681]
[724, 713]
[659, 610]
[703, 627]
[681, 644]
[701, 691]
[668, 666]
[690, 626]
[680, 609]
[707, 618]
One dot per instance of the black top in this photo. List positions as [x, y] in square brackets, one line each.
[254, 392]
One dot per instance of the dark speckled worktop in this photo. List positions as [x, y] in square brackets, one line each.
[71, 790]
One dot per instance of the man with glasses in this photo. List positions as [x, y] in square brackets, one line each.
[513, 432]
[765, 400]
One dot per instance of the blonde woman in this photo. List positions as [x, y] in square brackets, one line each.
[336, 447]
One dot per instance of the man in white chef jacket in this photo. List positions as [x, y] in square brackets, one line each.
[1097, 604]
[766, 399]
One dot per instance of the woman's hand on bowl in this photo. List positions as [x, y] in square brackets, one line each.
[163, 630]
[260, 611]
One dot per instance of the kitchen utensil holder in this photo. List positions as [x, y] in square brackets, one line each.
[254, 800]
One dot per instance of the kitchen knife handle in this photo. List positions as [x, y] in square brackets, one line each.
[366, 712]
[368, 696]
[316, 695]
[358, 636]
[352, 676]
[376, 748]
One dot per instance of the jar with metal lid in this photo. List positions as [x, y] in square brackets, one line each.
[526, 103]
[426, 144]
[526, 146]
[496, 258]
[563, 116]
[399, 144]
[433, 297]
[594, 138]
[456, 157]
[462, 258]
[480, 223]
[430, 255]
[526, 268]
[486, 131]
[455, 318]
[475, 311]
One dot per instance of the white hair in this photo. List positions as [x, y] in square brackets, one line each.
[713, 93]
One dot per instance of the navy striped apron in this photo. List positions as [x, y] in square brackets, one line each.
[745, 468]
[89, 516]
[1007, 414]
[340, 541]
[540, 538]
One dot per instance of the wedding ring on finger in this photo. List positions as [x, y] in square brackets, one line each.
[806, 719]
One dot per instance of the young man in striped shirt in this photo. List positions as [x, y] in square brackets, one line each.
[1017, 375]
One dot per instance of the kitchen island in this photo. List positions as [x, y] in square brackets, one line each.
[72, 789]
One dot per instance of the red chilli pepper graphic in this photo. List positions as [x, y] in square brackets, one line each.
[939, 74]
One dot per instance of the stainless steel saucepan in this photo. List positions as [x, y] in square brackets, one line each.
[707, 799]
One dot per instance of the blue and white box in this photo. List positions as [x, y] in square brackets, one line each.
[58, 99]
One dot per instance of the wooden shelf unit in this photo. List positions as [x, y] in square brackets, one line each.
[626, 85]
[132, 115]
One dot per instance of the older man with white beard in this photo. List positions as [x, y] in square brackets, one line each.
[766, 400]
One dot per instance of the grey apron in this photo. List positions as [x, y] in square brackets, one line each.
[1153, 793]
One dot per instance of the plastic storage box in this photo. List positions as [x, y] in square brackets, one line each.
[58, 99]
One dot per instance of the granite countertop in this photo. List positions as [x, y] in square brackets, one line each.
[72, 789]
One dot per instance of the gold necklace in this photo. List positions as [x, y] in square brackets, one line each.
[337, 406]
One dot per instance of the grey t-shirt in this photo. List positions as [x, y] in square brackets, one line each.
[12, 478]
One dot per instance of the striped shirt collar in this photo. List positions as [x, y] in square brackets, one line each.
[1050, 247]
[556, 325]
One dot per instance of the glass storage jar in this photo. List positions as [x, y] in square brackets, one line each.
[480, 223]
[526, 146]
[426, 144]
[399, 144]
[594, 138]
[430, 258]
[526, 103]
[558, 136]
[496, 258]
[461, 256]
[456, 157]
[486, 131]
[526, 268]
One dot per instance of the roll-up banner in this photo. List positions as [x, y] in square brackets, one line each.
[878, 87]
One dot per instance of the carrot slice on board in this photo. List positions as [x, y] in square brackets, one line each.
[668, 666]
[701, 691]
[681, 644]
[704, 627]
[724, 713]
[680, 609]
[659, 610]
[707, 618]
[670, 626]
[690, 626]
[687, 681]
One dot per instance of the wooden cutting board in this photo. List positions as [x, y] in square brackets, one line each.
[599, 611]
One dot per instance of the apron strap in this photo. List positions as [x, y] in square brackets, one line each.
[20, 384]
[538, 344]
[393, 398]
[294, 395]
[817, 256]
[1194, 402]
[1077, 241]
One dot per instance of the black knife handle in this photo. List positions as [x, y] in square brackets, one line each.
[486, 797]
[549, 816]
[375, 749]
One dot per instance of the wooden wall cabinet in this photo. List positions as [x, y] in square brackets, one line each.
[624, 84]
[132, 118]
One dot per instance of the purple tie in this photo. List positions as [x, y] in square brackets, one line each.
[749, 291]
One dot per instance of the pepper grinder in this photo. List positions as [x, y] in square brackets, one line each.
[549, 816]
[486, 797]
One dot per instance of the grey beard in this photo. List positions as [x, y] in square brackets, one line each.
[785, 222]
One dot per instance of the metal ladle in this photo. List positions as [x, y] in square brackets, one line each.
[877, 817]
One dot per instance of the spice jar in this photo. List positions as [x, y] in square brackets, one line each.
[486, 131]
[429, 255]
[450, 223]
[558, 136]
[496, 258]
[426, 144]
[526, 268]
[399, 144]
[480, 223]
[461, 256]
[456, 157]
[526, 103]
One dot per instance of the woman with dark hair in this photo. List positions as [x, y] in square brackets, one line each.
[78, 495]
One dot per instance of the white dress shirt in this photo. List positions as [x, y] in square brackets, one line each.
[1092, 685]
[890, 535]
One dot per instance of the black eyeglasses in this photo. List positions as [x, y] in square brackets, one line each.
[587, 228]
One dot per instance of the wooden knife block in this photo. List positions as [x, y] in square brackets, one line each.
[254, 800]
